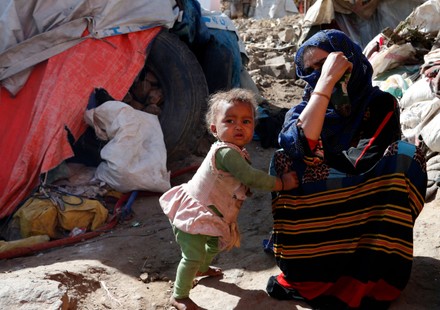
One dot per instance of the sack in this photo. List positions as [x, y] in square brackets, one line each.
[135, 156]
[392, 57]
[419, 91]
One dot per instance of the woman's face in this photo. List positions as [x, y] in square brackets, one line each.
[313, 59]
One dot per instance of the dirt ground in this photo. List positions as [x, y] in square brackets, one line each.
[107, 272]
[133, 266]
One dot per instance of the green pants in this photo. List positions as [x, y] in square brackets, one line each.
[198, 251]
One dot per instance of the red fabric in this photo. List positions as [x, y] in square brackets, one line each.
[347, 289]
[33, 138]
[312, 143]
[308, 290]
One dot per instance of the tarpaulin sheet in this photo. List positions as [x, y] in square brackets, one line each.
[33, 137]
[32, 31]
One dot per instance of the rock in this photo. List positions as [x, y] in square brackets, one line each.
[287, 35]
[40, 293]
[144, 277]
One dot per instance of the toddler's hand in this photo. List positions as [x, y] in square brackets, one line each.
[290, 180]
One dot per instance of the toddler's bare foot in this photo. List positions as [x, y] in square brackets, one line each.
[211, 272]
[183, 304]
[195, 282]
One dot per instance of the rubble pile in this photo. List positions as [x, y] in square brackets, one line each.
[271, 45]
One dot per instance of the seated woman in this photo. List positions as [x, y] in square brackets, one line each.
[344, 238]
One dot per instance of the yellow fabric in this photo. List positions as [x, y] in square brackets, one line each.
[37, 217]
[26, 242]
[90, 214]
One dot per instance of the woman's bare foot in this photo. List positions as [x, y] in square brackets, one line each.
[183, 304]
[211, 272]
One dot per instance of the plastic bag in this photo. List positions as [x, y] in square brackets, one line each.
[396, 85]
[135, 156]
[426, 17]
[392, 57]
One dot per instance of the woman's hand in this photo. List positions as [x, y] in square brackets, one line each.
[286, 182]
[334, 67]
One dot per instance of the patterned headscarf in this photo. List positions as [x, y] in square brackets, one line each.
[336, 41]
[360, 89]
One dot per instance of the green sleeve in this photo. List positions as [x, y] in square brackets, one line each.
[231, 161]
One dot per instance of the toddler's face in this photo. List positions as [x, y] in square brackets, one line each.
[234, 123]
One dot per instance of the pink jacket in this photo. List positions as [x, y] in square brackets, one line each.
[189, 205]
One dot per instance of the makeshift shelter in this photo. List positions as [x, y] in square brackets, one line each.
[361, 20]
[54, 54]
[50, 64]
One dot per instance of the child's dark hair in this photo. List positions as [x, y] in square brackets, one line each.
[230, 96]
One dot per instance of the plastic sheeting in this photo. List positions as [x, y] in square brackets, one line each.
[360, 29]
[34, 30]
[33, 124]
[213, 38]
[275, 8]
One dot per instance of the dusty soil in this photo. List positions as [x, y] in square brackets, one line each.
[133, 265]
[107, 272]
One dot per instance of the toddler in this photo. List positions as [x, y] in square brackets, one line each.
[203, 212]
